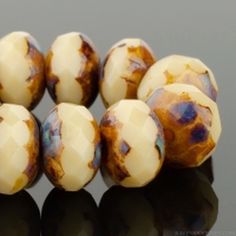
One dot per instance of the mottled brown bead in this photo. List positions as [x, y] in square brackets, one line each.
[191, 123]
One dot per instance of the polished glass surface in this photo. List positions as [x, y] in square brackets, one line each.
[179, 202]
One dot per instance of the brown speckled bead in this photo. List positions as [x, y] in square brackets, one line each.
[132, 143]
[123, 69]
[71, 146]
[19, 148]
[72, 69]
[21, 70]
[191, 123]
[178, 69]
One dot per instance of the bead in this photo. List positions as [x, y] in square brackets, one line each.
[178, 69]
[19, 148]
[124, 67]
[191, 123]
[71, 146]
[67, 213]
[133, 143]
[21, 70]
[72, 69]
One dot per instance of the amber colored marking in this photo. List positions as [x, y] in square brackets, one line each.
[1, 87]
[96, 141]
[121, 172]
[32, 148]
[169, 135]
[19, 184]
[169, 77]
[110, 153]
[1, 119]
[89, 76]
[54, 171]
[140, 60]
[36, 79]
[51, 79]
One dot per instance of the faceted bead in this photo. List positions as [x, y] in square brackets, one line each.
[123, 69]
[21, 70]
[71, 146]
[133, 143]
[191, 123]
[72, 69]
[19, 148]
[178, 69]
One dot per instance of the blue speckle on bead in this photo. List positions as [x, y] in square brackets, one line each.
[185, 112]
[208, 87]
[98, 155]
[199, 134]
[51, 138]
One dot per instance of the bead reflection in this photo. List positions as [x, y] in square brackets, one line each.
[126, 211]
[19, 215]
[70, 214]
[178, 201]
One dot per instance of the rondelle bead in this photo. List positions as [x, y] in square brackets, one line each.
[191, 123]
[71, 146]
[178, 69]
[72, 69]
[123, 69]
[21, 70]
[133, 143]
[19, 148]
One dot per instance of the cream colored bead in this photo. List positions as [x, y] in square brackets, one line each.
[133, 142]
[71, 146]
[19, 148]
[21, 70]
[72, 69]
[123, 69]
[191, 123]
[178, 69]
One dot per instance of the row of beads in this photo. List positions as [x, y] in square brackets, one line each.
[131, 142]
[72, 71]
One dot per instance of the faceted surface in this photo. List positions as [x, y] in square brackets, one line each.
[178, 69]
[71, 144]
[72, 69]
[19, 148]
[21, 70]
[124, 67]
[133, 144]
[191, 123]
